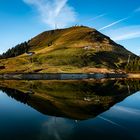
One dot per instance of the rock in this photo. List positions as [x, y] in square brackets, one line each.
[87, 47]
[2, 67]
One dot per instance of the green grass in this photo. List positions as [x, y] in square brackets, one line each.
[62, 50]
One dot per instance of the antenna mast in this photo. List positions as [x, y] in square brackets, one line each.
[55, 26]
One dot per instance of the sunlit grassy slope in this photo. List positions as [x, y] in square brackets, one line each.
[75, 49]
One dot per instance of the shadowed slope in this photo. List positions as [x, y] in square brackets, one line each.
[75, 49]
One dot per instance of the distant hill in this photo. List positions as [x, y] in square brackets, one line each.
[74, 49]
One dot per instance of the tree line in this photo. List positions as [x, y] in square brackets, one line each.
[15, 51]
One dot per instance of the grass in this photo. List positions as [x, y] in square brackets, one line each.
[63, 50]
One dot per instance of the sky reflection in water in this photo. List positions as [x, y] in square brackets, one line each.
[20, 121]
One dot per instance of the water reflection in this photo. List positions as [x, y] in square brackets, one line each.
[77, 100]
[67, 110]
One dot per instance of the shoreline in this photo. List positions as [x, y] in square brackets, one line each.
[66, 76]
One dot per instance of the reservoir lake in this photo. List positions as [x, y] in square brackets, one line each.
[70, 110]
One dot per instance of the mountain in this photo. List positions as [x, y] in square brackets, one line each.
[74, 49]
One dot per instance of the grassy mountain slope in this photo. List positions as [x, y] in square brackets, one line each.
[75, 49]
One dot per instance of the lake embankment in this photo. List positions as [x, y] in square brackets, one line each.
[64, 76]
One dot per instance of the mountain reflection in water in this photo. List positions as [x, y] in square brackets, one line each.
[70, 110]
[79, 100]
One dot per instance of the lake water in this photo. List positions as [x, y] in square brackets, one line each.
[70, 110]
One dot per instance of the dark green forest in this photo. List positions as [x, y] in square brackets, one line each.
[15, 51]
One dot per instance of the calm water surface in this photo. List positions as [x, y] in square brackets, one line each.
[78, 110]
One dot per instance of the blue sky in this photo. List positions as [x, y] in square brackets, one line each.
[24, 19]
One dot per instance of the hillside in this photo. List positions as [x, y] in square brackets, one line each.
[74, 49]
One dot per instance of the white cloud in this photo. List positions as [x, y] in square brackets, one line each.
[1, 52]
[128, 36]
[54, 12]
[128, 110]
[56, 128]
[124, 33]
[137, 10]
[112, 24]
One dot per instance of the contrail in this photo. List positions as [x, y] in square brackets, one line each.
[105, 119]
[99, 16]
[112, 24]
